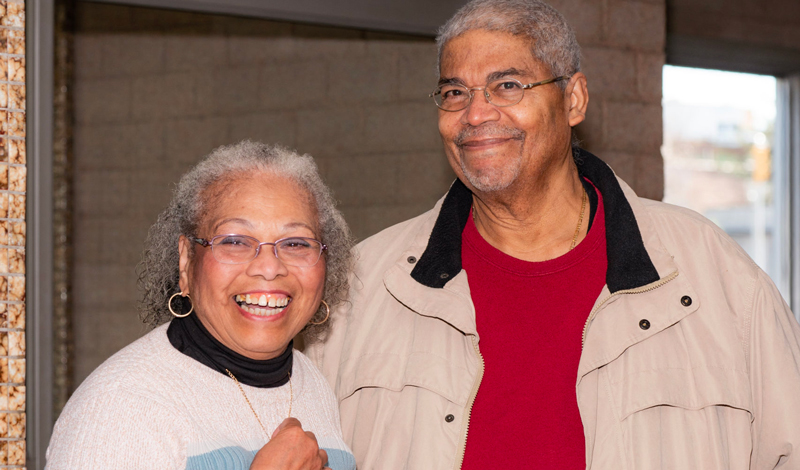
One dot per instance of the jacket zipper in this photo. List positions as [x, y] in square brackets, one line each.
[638, 290]
[471, 402]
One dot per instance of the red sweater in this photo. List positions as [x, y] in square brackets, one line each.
[530, 319]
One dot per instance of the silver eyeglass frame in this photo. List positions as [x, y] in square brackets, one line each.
[488, 96]
[210, 243]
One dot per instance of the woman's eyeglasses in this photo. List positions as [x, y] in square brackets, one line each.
[239, 249]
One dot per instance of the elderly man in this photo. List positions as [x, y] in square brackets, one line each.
[541, 315]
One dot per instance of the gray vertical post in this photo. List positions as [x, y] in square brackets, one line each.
[787, 149]
[782, 180]
[39, 244]
[793, 154]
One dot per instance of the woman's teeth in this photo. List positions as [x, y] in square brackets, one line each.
[262, 305]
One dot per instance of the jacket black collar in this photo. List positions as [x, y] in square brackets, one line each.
[629, 265]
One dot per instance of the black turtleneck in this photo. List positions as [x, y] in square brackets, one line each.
[189, 336]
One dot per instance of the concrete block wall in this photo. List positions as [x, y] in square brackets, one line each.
[623, 53]
[155, 90]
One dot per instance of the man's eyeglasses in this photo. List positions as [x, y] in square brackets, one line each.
[239, 249]
[500, 92]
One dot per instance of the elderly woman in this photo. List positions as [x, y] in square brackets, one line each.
[250, 252]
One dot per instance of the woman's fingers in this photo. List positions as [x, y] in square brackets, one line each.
[291, 448]
[284, 424]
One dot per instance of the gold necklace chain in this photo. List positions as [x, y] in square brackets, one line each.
[291, 399]
[580, 221]
[577, 229]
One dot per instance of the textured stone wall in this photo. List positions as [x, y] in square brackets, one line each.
[623, 47]
[157, 89]
[12, 234]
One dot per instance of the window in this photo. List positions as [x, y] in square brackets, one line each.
[719, 136]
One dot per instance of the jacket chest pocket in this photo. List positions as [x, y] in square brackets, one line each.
[406, 349]
[396, 371]
[680, 403]
[401, 406]
[682, 367]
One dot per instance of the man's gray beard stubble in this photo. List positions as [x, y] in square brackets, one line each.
[498, 179]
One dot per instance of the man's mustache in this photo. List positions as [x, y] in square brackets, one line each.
[488, 131]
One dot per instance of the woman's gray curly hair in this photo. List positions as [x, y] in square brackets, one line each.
[552, 39]
[158, 270]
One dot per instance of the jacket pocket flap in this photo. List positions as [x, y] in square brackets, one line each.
[396, 371]
[694, 388]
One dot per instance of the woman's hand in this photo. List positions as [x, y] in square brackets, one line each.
[290, 448]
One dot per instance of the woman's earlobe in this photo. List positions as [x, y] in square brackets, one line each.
[184, 262]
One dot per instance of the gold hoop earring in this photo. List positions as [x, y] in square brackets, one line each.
[327, 314]
[179, 315]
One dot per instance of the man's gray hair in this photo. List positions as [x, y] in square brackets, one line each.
[158, 270]
[552, 39]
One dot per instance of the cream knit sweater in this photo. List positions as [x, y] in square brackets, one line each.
[151, 407]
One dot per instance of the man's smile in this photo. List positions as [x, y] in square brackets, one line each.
[479, 137]
[478, 143]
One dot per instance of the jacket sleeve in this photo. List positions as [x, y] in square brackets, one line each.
[773, 346]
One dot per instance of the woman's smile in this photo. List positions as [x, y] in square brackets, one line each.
[267, 304]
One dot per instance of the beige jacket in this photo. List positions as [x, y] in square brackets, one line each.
[710, 381]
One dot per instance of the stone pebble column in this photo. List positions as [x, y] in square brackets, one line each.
[12, 234]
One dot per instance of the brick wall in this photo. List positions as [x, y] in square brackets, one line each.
[155, 90]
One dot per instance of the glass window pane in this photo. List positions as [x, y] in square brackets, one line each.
[718, 158]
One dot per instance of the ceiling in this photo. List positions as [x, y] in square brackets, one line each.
[403, 16]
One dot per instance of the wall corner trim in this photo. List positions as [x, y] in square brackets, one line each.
[39, 29]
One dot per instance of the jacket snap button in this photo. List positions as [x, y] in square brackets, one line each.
[449, 418]
[411, 259]
[444, 276]
[686, 300]
[644, 324]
